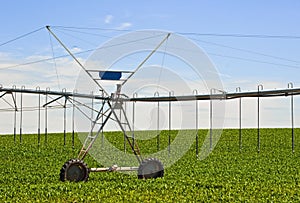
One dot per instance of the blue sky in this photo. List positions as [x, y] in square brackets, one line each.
[234, 57]
[204, 16]
[232, 16]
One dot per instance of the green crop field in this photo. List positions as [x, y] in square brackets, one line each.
[30, 173]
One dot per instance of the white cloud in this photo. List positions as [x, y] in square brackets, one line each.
[124, 26]
[108, 19]
[4, 56]
[75, 49]
[61, 74]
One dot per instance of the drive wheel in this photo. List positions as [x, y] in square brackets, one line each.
[150, 168]
[74, 170]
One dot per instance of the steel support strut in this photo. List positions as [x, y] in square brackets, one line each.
[114, 105]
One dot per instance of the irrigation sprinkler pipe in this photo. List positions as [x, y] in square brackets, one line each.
[133, 121]
[92, 113]
[213, 96]
[21, 115]
[65, 116]
[15, 115]
[171, 93]
[238, 89]
[235, 95]
[125, 126]
[290, 85]
[39, 116]
[156, 94]
[195, 92]
[102, 119]
[210, 119]
[259, 88]
[73, 120]
[46, 115]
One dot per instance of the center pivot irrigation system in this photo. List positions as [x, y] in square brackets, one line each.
[112, 108]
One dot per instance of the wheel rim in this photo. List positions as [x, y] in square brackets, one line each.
[75, 173]
[150, 168]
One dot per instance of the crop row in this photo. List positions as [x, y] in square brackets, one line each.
[232, 172]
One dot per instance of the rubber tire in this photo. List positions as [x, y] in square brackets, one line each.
[74, 170]
[150, 168]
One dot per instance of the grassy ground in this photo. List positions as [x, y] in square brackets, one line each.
[30, 173]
